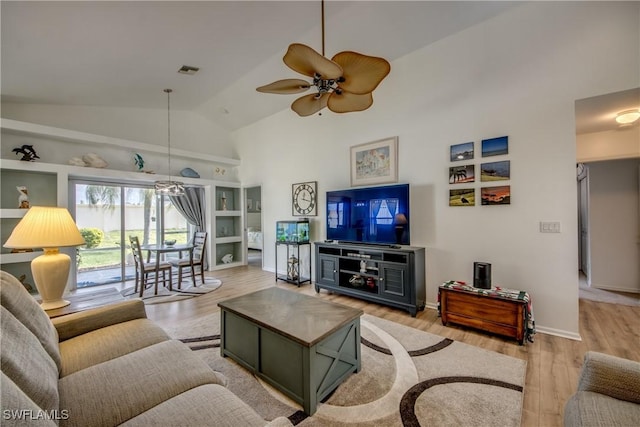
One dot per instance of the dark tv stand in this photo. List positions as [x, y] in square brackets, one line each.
[393, 276]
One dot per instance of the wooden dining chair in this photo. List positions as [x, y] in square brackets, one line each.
[196, 259]
[144, 269]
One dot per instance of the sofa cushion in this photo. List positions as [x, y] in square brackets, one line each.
[108, 343]
[117, 390]
[588, 409]
[20, 411]
[25, 361]
[207, 405]
[15, 298]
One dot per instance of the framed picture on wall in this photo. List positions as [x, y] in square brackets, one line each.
[460, 152]
[375, 162]
[495, 171]
[462, 197]
[462, 174]
[495, 146]
[496, 195]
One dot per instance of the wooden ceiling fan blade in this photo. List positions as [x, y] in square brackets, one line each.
[309, 104]
[347, 102]
[304, 60]
[361, 73]
[286, 86]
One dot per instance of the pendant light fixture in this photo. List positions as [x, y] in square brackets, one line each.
[170, 187]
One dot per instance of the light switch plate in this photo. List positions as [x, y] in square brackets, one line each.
[550, 226]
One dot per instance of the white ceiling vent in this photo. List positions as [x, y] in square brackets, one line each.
[188, 69]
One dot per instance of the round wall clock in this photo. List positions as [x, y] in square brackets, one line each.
[304, 202]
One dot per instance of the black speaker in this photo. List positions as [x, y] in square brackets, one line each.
[482, 275]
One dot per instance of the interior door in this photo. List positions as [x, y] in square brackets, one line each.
[583, 221]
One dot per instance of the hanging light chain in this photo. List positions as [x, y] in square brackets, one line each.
[168, 92]
[169, 187]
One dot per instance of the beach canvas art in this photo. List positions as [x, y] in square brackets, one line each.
[495, 146]
[496, 195]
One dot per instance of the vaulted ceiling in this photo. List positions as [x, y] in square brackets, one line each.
[124, 53]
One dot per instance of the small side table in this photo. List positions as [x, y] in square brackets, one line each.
[86, 301]
[294, 262]
[498, 310]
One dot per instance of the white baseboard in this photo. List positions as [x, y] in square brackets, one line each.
[615, 289]
[559, 333]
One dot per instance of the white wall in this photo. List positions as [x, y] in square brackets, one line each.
[518, 74]
[623, 143]
[614, 224]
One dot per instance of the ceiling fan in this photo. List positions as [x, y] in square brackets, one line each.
[343, 84]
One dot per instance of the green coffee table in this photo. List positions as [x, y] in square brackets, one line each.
[301, 345]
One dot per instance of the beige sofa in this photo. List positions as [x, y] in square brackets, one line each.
[608, 393]
[104, 367]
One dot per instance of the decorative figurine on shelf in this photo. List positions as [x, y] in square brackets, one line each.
[23, 198]
[356, 281]
[292, 268]
[227, 259]
[139, 161]
[363, 266]
[94, 161]
[77, 161]
[189, 173]
[28, 153]
[223, 201]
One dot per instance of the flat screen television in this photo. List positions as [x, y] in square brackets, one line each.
[376, 215]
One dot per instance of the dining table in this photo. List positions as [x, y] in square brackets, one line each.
[161, 249]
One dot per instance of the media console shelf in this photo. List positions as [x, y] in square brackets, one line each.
[393, 276]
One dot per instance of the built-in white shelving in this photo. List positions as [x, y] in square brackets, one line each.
[57, 187]
[33, 129]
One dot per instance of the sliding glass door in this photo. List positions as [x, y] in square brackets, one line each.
[107, 214]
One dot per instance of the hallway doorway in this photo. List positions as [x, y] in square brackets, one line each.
[253, 226]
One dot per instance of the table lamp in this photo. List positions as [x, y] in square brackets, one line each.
[49, 228]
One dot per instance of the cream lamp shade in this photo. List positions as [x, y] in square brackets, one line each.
[49, 228]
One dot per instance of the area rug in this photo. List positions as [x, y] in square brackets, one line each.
[165, 295]
[408, 378]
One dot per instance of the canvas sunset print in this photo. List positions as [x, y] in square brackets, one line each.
[496, 195]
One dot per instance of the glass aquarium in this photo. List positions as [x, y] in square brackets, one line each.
[296, 231]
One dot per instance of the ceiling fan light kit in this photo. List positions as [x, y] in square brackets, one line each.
[344, 83]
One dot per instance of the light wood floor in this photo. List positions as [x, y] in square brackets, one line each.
[553, 363]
